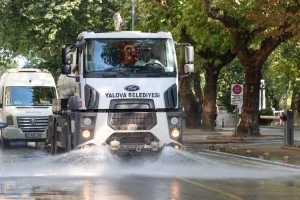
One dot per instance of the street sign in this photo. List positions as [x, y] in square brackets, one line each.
[236, 94]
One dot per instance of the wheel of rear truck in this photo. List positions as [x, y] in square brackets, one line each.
[5, 143]
[36, 145]
[54, 139]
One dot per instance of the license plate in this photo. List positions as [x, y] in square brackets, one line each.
[131, 147]
[33, 135]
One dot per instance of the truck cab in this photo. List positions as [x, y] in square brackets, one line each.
[120, 99]
[25, 104]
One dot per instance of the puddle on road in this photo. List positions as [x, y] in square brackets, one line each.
[99, 162]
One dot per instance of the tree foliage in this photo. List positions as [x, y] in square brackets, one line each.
[188, 22]
[38, 29]
[282, 75]
[254, 39]
[232, 74]
[218, 29]
[6, 60]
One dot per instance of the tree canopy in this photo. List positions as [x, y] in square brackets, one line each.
[38, 29]
[220, 30]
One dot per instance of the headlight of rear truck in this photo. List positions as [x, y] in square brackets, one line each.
[9, 120]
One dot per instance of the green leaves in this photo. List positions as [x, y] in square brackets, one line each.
[35, 28]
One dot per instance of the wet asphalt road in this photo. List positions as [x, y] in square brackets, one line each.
[92, 174]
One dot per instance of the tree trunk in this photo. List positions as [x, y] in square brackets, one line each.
[187, 97]
[210, 96]
[191, 105]
[249, 119]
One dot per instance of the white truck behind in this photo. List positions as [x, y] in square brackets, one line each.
[114, 100]
[25, 103]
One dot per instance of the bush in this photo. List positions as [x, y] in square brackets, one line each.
[266, 112]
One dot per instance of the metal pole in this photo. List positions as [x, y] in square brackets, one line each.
[264, 95]
[132, 14]
[236, 120]
[289, 128]
[261, 101]
[286, 95]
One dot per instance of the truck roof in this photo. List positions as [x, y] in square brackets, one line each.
[15, 70]
[124, 34]
[27, 77]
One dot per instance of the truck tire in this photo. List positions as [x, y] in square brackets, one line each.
[54, 139]
[5, 143]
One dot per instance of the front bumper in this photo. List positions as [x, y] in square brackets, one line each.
[11, 133]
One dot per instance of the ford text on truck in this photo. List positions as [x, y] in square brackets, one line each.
[25, 103]
[115, 98]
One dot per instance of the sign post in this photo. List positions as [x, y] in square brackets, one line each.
[236, 99]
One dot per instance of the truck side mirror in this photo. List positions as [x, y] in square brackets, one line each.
[189, 54]
[3, 125]
[66, 69]
[66, 55]
[188, 68]
[66, 60]
[189, 60]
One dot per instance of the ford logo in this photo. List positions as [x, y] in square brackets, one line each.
[132, 88]
[33, 121]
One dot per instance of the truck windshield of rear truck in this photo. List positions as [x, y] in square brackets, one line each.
[29, 95]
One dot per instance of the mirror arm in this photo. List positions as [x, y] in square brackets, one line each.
[186, 75]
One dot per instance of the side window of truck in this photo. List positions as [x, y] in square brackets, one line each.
[1, 95]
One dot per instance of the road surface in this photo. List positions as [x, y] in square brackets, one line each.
[92, 174]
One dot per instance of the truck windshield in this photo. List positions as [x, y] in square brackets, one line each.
[29, 96]
[130, 56]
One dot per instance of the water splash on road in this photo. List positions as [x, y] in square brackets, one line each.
[99, 162]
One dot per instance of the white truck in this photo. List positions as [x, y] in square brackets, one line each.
[113, 101]
[25, 103]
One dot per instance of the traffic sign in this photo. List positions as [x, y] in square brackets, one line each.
[236, 94]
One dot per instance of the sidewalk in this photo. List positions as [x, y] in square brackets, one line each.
[267, 147]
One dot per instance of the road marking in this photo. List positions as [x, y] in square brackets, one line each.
[222, 192]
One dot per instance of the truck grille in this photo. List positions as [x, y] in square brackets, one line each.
[132, 120]
[32, 124]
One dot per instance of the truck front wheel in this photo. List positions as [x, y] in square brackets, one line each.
[5, 143]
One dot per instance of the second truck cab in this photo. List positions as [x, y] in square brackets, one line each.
[25, 103]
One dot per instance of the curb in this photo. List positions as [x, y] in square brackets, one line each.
[295, 148]
[222, 139]
[217, 153]
[247, 139]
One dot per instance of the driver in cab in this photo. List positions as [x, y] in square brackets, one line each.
[146, 59]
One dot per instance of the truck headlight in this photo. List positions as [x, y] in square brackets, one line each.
[175, 133]
[9, 120]
[86, 133]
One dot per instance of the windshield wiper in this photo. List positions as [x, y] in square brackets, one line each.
[115, 74]
[115, 71]
[153, 75]
[160, 74]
